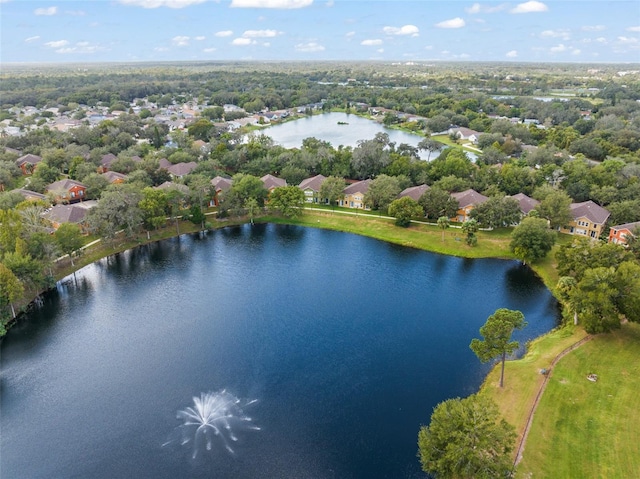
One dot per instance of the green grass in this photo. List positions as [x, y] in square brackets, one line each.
[522, 378]
[584, 429]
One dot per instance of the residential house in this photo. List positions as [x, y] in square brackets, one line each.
[67, 191]
[620, 234]
[271, 182]
[180, 170]
[588, 219]
[414, 192]
[354, 195]
[114, 177]
[27, 163]
[311, 187]
[106, 161]
[467, 200]
[220, 185]
[164, 164]
[60, 214]
[30, 195]
[526, 203]
[463, 133]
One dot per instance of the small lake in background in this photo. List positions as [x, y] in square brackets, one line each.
[327, 127]
[312, 353]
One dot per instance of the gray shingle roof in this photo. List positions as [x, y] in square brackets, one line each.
[314, 183]
[65, 184]
[414, 192]
[222, 184]
[468, 198]
[526, 203]
[181, 169]
[590, 210]
[359, 187]
[28, 158]
[627, 226]
[270, 181]
[66, 214]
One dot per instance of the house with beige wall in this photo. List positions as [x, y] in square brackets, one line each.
[589, 219]
[354, 195]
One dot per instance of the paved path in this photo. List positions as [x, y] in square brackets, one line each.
[539, 395]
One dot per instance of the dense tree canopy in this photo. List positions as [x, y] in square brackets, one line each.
[466, 438]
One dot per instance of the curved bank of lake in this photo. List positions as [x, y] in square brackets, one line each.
[346, 342]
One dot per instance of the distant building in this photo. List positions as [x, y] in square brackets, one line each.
[526, 204]
[621, 234]
[27, 163]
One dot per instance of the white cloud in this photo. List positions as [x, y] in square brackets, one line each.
[576, 51]
[634, 29]
[161, 49]
[350, 34]
[479, 8]
[453, 23]
[592, 28]
[330, 3]
[601, 40]
[558, 48]
[32, 39]
[282, 4]
[404, 30]
[224, 33]
[161, 3]
[512, 54]
[76, 13]
[200, 38]
[380, 50]
[180, 41]
[209, 50]
[309, 47]
[243, 42]
[260, 33]
[532, 6]
[46, 11]
[627, 40]
[560, 33]
[57, 44]
[371, 43]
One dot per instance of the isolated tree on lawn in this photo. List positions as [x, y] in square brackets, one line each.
[467, 439]
[497, 337]
[470, 228]
[443, 224]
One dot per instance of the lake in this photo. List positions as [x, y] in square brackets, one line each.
[327, 127]
[311, 353]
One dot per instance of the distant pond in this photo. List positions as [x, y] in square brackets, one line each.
[338, 129]
[251, 352]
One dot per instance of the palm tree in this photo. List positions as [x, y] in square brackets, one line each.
[443, 224]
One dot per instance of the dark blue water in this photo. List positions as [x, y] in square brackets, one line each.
[346, 342]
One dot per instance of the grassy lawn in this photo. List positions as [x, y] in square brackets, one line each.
[522, 377]
[584, 429]
[494, 244]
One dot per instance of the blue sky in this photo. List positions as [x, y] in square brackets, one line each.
[168, 30]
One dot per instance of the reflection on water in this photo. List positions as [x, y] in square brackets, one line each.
[348, 342]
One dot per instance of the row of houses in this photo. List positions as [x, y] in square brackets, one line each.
[589, 218]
